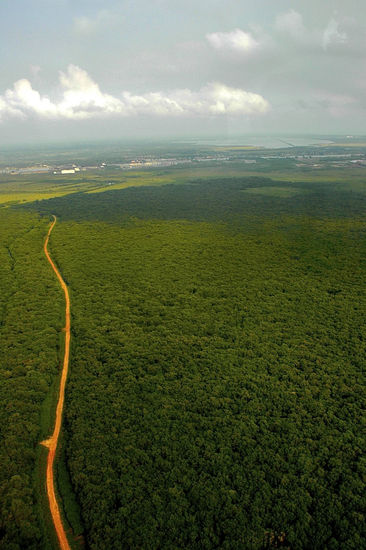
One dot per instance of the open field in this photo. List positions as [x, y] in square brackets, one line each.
[25, 189]
[346, 144]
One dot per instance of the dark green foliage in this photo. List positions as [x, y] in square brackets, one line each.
[216, 378]
[30, 318]
[218, 345]
[212, 200]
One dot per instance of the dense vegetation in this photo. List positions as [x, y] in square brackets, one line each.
[30, 321]
[216, 378]
[232, 200]
[216, 392]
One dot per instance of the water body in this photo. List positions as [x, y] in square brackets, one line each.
[268, 142]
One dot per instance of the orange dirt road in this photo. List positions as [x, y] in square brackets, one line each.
[51, 443]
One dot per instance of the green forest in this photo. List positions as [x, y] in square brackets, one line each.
[216, 391]
[30, 317]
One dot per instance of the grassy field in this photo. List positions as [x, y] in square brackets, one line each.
[28, 188]
[16, 189]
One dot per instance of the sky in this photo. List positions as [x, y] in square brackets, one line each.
[92, 69]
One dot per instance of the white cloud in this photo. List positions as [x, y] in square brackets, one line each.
[82, 99]
[213, 99]
[24, 99]
[237, 41]
[332, 35]
[290, 23]
[7, 110]
[89, 25]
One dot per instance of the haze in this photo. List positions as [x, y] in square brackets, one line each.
[91, 69]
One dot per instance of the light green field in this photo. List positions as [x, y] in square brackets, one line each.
[28, 188]
[353, 177]
[21, 189]
[346, 144]
[18, 189]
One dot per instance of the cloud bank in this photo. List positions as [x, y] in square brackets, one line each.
[290, 22]
[332, 35]
[287, 29]
[81, 98]
[236, 41]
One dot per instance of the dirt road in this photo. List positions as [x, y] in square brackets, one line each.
[51, 443]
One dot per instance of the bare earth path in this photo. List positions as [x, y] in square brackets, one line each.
[51, 443]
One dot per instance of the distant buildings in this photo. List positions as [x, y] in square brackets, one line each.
[302, 157]
[67, 170]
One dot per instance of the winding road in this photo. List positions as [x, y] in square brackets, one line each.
[51, 443]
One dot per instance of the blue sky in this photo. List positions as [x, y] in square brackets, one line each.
[80, 69]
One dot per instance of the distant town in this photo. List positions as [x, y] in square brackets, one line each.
[300, 157]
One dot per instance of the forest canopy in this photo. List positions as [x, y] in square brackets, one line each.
[218, 349]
